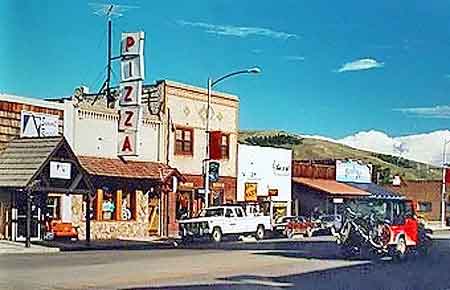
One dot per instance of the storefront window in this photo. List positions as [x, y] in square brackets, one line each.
[108, 206]
[54, 207]
[115, 205]
[225, 146]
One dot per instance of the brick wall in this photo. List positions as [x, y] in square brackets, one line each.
[422, 191]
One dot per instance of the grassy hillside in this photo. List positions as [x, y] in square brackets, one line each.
[309, 148]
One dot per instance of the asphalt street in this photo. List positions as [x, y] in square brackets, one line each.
[313, 263]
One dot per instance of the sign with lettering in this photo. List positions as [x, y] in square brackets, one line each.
[61, 170]
[251, 191]
[273, 192]
[132, 43]
[353, 171]
[132, 69]
[127, 145]
[130, 101]
[281, 168]
[129, 118]
[38, 125]
[130, 93]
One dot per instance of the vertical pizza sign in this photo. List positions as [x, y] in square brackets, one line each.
[130, 109]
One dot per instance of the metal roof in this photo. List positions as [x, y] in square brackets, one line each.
[376, 190]
[23, 157]
[330, 186]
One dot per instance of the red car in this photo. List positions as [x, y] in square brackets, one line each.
[299, 225]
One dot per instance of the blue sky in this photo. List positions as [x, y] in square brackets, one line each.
[331, 68]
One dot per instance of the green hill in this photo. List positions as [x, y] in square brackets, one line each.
[316, 149]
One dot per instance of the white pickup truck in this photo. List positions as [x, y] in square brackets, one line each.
[216, 222]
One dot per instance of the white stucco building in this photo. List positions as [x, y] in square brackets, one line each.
[264, 178]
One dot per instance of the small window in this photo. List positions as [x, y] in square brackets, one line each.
[239, 212]
[184, 141]
[54, 207]
[424, 206]
[225, 146]
[229, 213]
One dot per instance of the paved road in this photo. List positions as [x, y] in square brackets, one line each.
[276, 264]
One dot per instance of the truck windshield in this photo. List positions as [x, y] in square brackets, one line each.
[212, 212]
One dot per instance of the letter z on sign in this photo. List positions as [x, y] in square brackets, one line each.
[129, 119]
[130, 93]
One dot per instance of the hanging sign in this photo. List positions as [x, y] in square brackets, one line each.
[61, 170]
[130, 93]
[130, 101]
[127, 145]
[129, 118]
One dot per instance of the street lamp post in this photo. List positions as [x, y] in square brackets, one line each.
[211, 84]
[444, 165]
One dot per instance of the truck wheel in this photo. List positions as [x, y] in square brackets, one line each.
[401, 249]
[216, 235]
[260, 232]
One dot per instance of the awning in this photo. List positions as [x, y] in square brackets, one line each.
[330, 186]
[376, 191]
[111, 167]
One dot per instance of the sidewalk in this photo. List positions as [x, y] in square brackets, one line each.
[436, 227]
[118, 244]
[8, 247]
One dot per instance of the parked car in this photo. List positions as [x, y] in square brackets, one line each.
[216, 222]
[330, 223]
[280, 224]
[299, 225]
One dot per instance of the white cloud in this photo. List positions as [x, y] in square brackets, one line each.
[426, 148]
[361, 64]
[437, 112]
[294, 58]
[238, 31]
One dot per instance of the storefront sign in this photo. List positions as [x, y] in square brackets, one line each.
[61, 170]
[129, 119]
[251, 191]
[338, 200]
[273, 192]
[130, 93]
[353, 171]
[281, 168]
[38, 125]
[130, 102]
[128, 145]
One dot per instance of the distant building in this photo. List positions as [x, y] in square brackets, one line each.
[426, 194]
[264, 179]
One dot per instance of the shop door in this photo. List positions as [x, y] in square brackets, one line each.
[21, 224]
[154, 215]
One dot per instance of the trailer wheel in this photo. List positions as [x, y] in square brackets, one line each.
[216, 235]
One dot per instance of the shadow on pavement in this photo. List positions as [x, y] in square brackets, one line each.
[416, 273]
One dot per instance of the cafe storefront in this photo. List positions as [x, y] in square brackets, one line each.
[35, 173]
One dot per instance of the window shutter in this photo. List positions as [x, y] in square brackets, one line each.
[215, 142]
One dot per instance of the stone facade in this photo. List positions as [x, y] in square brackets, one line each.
[102, 230]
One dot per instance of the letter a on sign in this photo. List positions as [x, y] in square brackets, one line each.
[127, 144]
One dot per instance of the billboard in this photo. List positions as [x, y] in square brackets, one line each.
[353, 171]
[38, 125]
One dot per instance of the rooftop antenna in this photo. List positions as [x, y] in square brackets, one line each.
[109, 11]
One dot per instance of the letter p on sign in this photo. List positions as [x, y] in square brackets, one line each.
[131, 44]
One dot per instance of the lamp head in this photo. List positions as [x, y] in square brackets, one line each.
[254, 70]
